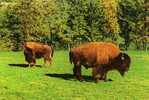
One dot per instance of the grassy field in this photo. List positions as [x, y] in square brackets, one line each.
[57, 83]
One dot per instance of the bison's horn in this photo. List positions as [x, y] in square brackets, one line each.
[122, 57]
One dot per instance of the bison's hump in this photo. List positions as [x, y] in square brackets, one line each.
[103, 52]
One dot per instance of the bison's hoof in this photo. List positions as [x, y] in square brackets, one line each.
[81, 79]
[30, 65]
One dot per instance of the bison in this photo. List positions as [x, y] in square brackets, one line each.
[101, 57]
[33, 50]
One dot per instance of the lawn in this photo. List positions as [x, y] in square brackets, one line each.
[57, 83]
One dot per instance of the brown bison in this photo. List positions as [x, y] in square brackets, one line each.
[33, 50]
[101, 57]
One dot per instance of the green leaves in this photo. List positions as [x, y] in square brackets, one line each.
[133, 21]
[34, 14]
[69, 22]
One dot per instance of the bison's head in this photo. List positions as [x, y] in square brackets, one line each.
[123, 61]
[29, 56]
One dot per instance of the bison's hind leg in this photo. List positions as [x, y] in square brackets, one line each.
[47, 61]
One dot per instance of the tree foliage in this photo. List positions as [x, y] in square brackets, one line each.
[33, 16]
[133, 23]
[70, 22]
[111, 26]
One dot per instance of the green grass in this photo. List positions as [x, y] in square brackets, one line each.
[19, 83]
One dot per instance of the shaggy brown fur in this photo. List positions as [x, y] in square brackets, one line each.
[33, 50]
[101, 57]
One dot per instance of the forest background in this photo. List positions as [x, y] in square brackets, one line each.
[65, 23]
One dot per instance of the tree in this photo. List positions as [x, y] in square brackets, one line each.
[111, 26]
[83, 21]
[10, 34]
[34, 15]
[13, 25]
[133, 22]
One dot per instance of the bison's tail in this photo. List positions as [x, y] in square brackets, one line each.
[52, 51]
[24, 45]
[70, 56]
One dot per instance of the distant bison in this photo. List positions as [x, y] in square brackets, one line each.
[101, 57]
[33, 50]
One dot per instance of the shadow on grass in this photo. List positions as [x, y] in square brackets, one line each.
[68, 76]
[23, 65]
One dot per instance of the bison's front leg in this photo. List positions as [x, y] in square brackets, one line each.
[77, 72]
[47, 61]
[103, 73]
[103, 76]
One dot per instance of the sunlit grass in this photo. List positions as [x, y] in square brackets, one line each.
[21, 83]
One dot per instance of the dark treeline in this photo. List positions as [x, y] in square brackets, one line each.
[66, 23]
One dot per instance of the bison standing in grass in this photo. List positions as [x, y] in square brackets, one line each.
[33, 50]
[101, 57]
